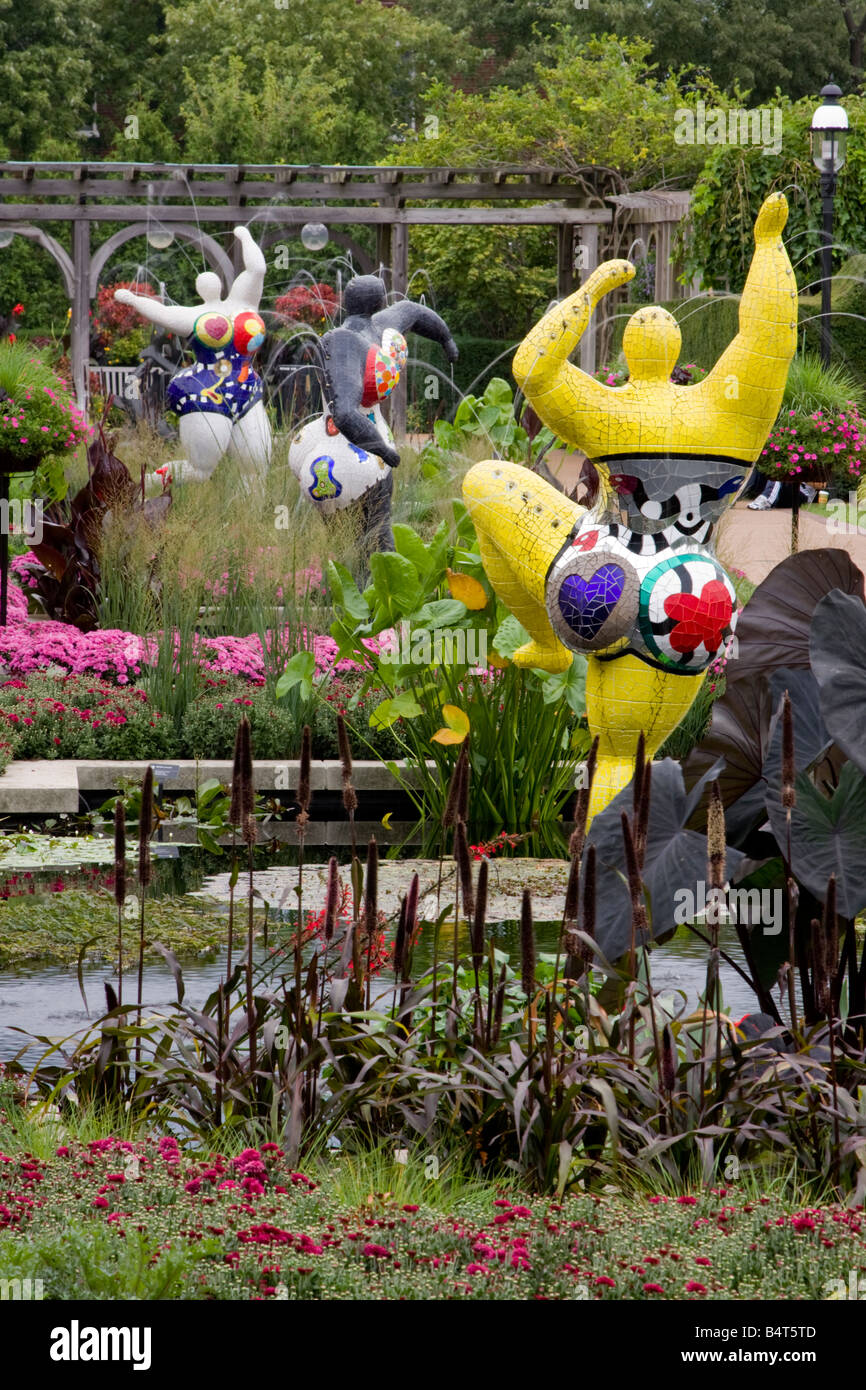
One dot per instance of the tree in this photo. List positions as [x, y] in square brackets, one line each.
[856, 35]
[756, 45]
[46, 72]
[600, 103]
[311, 81]
[734, 182]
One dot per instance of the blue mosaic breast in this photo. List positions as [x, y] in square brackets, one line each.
[586, 604]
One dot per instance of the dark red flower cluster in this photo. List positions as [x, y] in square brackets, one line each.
[315, 304]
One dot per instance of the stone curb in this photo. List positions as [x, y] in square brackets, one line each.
[55, 786]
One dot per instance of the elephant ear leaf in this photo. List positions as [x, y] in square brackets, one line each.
[773, 628]
[740, 733]
[828, 836]
[838, 649]
[675, 861]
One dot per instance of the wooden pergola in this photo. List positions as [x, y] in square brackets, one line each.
[187, 199]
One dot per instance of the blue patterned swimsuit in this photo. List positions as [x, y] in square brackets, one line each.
[221, 382]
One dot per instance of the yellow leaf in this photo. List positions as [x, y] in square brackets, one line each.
[456, 719]
[447, 736]
[498, 662]
[467, 590]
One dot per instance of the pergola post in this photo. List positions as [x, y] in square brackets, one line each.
[80, 324]
[399, 289]
[588, 263]
[564, 260]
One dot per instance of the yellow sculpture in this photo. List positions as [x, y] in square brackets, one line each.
[634, 583]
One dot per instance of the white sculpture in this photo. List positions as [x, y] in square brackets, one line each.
[219, 399]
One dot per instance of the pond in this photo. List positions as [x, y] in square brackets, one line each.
[43, 997]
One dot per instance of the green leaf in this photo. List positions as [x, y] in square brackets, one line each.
[499, 393]
[441, 612]
[398, 589]
[346, 593]
[208, 790]
[403, 706]
[299, 672]
[569, 685]
[410, 545]
[509, 636]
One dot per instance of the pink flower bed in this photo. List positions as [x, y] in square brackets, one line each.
[32, 644]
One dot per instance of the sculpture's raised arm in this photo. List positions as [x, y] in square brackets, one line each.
[408, 317]
[558, 391]
[174, 317]
[758, 358]
[248, 285]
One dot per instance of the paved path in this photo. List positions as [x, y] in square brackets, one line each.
[757, 541]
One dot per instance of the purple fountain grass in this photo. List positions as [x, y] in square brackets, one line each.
[789, 801]
[581, 812]
[371, 908]
[350, 797]
[119, 885]
[527, 946]
[235, 818]
[638, 920]
[145, 874]
[246, 807]
[303, 816]
[479, 922]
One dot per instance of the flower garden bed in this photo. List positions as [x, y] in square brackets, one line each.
[114, 1218]
[82, 695]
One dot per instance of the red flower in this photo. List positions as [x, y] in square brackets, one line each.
[18, 309]
[694, 1287]
[653, 1288]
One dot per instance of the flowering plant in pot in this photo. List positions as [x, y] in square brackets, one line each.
[822, 446]
[38, 419]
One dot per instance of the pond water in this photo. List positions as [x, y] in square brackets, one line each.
[45, 999]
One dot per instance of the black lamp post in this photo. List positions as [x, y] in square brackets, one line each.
[829, 136]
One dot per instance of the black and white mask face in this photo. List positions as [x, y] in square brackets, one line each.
[687, 509]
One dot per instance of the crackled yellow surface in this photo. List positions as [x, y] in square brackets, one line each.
[523, 524]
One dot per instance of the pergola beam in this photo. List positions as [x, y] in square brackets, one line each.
[545, 215]
[277, 199]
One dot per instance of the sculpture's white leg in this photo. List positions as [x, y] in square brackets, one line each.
[251, 443]
[205, 438]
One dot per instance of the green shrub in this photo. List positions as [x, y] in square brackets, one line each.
[480, 360]
[210, 722]
[81, 717]
[847, 321]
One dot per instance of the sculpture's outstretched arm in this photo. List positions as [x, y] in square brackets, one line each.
[175, 317]
[557, 390]
[248, 285]
[408, 317]
[345, 358]
[761, 353]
